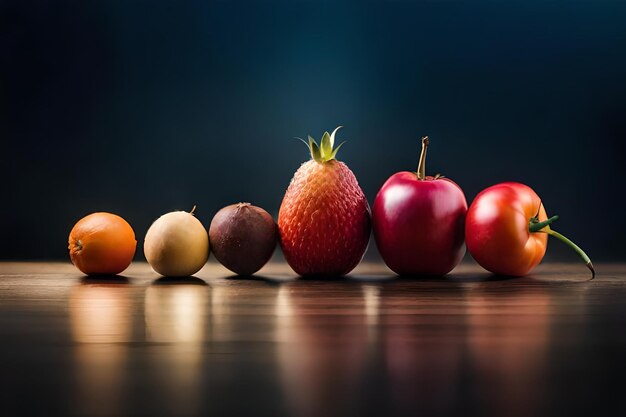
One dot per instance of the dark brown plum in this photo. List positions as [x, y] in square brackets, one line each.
[243, 237]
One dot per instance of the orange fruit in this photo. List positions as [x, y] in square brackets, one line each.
[102, 243]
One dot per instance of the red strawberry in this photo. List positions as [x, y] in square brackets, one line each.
[324, 220]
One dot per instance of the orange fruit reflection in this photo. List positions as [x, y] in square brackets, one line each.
[102, 243]
[101, 319]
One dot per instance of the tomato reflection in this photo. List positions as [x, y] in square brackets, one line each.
[509, 341]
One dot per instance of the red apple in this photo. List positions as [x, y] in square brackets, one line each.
[418, 222]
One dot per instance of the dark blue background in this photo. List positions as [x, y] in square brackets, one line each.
[140, 108]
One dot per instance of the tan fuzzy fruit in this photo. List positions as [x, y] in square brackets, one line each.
[177, 244]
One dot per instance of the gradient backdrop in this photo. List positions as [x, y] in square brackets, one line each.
[143, 107]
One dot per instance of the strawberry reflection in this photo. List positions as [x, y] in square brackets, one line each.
[101, 324]
[176, 313]
[325, 342]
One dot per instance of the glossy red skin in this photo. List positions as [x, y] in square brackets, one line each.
[418, 224]
[496, 229]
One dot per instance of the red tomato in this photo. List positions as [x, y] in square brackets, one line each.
[506, 230]
[418, 222]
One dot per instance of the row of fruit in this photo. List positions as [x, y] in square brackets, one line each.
[421, 224]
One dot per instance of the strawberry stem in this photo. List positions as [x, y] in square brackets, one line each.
[326, 150]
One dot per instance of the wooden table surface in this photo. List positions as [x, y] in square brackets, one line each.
[549, 344]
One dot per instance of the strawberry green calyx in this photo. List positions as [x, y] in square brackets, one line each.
[326, 150]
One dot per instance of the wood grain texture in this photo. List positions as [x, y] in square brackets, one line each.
[372, 344]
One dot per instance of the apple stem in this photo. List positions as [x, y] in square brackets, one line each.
[421, 167]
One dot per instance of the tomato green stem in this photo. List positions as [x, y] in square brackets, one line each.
[421, 167]
[536, 226]
[574, 246]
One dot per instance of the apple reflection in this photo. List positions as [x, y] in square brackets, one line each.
[176, 313]
[325, 345]
[101, 326]
[423, 347]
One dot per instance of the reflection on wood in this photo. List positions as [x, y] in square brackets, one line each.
[508, 339]
[241, 311]
[176, 312]
[325, 345]
[370, 344]
[101, 321]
